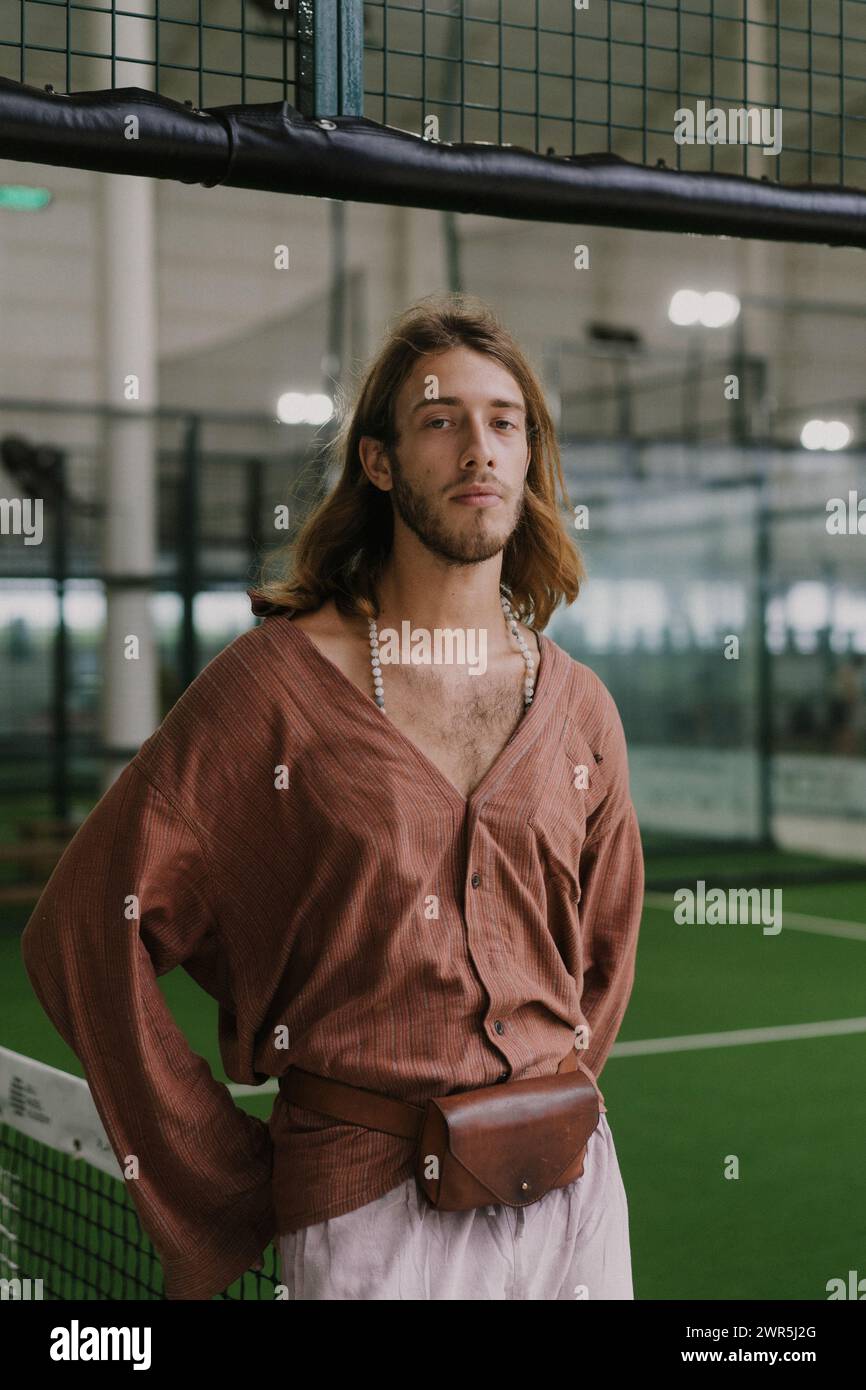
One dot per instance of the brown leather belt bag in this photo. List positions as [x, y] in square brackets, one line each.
[508, 1143]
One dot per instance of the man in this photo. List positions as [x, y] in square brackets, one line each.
[416, 879]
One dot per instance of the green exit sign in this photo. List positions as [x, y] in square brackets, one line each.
[22, 198]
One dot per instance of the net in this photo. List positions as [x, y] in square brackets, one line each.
[66, 1217]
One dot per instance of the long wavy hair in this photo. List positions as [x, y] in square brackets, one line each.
[344, 542]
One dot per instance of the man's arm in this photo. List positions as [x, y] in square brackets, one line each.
[127, 902]
[611, 877]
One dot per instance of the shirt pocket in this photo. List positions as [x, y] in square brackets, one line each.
[574, 787]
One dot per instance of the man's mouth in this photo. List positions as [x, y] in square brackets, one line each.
[478, 497]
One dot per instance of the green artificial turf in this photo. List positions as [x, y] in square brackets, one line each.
[791, 1112]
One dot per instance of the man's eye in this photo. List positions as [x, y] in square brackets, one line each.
[444, 420]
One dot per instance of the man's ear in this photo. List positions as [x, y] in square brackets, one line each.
[374, 462]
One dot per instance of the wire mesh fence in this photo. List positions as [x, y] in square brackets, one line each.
[611, 77]
[760, 87]
[196, 50]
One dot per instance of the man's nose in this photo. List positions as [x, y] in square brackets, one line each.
[477, 445]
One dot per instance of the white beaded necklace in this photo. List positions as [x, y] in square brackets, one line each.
[511, 622]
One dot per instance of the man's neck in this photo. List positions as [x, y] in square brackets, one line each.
[458, 600]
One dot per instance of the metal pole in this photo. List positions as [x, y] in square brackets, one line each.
[740, 413]
[254, 478]
[452, 251]
[763, 562]
[334, 360]
[60, 663]
[333, 364]
[188, 541]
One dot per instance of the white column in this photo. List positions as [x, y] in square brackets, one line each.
[128, 335]
[760, 84]
[416, 263]
[130, 695]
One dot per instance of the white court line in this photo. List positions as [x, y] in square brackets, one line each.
[737, 1037]
[688, 1042]
[796, 921]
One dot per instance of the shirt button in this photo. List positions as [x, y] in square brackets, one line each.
[499, 1026]
[475, 880]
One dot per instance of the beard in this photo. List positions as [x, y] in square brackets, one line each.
[419, 514]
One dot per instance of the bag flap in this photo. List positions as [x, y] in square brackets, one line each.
[525, 1131]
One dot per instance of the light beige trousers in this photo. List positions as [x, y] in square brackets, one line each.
[573, 1244]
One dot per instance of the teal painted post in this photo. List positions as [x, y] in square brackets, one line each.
[351, 41]
[329, 58]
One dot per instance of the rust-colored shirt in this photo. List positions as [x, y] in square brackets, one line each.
[351, 912]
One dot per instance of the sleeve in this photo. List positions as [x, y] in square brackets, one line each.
[93, 954]
[611, 878]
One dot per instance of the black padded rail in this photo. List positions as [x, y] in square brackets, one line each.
[274, 148]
